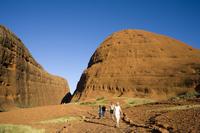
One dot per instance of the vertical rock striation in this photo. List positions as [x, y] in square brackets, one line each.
[138, 63]
[23, 82]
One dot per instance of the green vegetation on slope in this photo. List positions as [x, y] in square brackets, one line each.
[129, 102]
[183, 107]
[10, 128]
[61, 119]
[99, 101]
[187, 95]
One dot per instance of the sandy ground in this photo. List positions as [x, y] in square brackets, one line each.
[175, 116]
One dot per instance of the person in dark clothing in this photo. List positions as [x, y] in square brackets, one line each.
[103, 110]
[100, 112]
[112, 106]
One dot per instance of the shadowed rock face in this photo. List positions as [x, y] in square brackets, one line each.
[23, 82]
[140, 64]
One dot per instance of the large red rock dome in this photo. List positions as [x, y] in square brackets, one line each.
[138, 63]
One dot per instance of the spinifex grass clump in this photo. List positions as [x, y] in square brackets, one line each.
[10, 128]
[61, 119]
[99, 101]
[187, 95]
[183, 107]
[88, 103]
[137, 101]
[100, 98]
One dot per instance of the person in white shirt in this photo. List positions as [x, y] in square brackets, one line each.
[117, 113]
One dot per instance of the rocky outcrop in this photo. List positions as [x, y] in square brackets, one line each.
[138, 63]
[23, 82]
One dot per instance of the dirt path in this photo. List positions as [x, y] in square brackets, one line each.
[107, 123]
[91, 123]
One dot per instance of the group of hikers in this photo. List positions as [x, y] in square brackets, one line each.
[115, 112]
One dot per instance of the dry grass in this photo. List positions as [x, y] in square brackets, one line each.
[10, 128]
[61, 120]
[129, 102]
[99, 101]
[183, 107]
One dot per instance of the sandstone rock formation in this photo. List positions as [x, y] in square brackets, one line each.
[23, 82]
[138, 63]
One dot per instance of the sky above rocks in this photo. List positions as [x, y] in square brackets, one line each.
[62, 35]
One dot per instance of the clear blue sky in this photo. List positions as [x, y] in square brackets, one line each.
[63, 34]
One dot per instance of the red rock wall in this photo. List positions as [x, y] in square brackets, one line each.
[23, 82]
